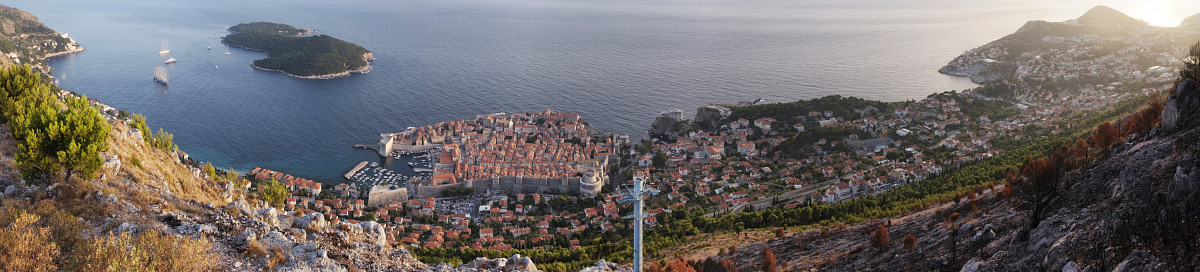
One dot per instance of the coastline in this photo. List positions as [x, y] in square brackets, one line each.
[973, 77]
[362, 70]
[68, 52]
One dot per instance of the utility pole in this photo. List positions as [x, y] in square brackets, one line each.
[638, 195]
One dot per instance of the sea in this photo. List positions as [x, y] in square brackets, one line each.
[618, 63]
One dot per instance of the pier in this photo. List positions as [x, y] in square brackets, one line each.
[354, 170]
[367, 146]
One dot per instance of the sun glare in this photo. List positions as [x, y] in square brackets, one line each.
[1159, 18]
[1157, 13]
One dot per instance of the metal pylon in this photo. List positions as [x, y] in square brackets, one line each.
[637, 194]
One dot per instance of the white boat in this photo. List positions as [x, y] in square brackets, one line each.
[209, 47]
[160, 75]
[227, 50]
[170, 61]
[164, 50]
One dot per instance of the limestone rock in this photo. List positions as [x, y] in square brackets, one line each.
[971, 266]
[239, 206]
[1183, 107]
[311, 221]
[1070, 267]
[245, 238]
[709, 116]
[605, 266]
[197, 229]
[127, 227]
[662, 126]
[374, 233]
[1183, 184]
[1170, 115]
[270, 216]
[1139, 261]
[519, 263]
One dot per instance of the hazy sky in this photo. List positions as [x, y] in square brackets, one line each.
[1156, 12]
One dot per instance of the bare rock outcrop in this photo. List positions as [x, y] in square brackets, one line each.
[516, 263]
[709, 117]
[1176, 111]
[605, 266]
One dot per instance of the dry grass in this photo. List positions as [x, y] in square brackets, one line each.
[255, 250]
[232, 211]
[277, 258]
[158, 169]
[8, 151]
[45, 236]
[148, 250]
[25, 245]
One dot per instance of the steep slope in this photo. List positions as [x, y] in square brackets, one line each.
[150, 194]
[1132, 208]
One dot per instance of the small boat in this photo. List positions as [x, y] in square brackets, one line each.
[170, 61]
[164, 50]
[209, 47]
[216, 67]
[227, 52]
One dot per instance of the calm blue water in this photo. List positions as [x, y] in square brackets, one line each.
[618, 63]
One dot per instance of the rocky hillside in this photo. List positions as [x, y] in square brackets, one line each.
[145, 199]
[1128, 207]
[1113, 46]
[24, 40]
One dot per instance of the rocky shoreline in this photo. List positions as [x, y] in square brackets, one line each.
[68, 52]
[980, 71]
[362, 70]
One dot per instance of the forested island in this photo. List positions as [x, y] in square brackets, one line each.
[290, 52]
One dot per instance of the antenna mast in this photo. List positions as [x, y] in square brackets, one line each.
[638, 195]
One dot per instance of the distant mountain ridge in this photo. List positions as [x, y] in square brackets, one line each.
[1104, 15]
[1191, 22]
[1101, 31]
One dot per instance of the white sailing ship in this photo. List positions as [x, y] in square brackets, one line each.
[164, 50]
[160, 75]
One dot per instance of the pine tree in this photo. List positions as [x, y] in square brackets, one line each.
[85, 136]
[274, 193]
[51, 138]
[210, 171]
